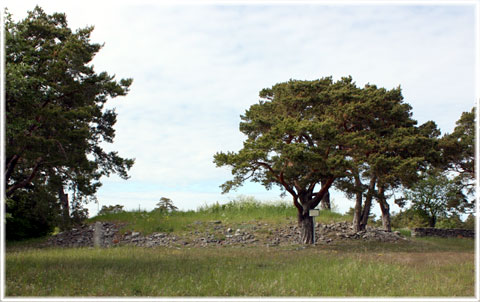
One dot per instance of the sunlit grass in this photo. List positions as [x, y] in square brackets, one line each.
[415, 267]
[255, 271]
[243, 209]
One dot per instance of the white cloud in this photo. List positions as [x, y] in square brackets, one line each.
[197, 68]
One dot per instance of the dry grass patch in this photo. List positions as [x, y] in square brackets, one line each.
[420, 259]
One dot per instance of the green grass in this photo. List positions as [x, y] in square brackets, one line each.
[414, 268]
[255, 271]
[242, 210]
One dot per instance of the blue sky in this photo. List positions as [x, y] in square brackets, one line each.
[197, 68]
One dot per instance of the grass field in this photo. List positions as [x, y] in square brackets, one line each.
[257, 271]
[238, 211]
[429, 267]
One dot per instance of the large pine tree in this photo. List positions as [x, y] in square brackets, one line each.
[305, 136]
[55, 115]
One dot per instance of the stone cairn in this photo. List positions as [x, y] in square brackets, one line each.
[100, 234]
[106, 234]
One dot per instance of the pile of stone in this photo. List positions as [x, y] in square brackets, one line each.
[215, 234]
[82, 236]
[155, 239]
[344, 231]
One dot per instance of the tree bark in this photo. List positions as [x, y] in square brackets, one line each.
[9, 167]
[65, 208]
[368, 204]
[325, 203]
[357, 214]
[305, 200]
[10, 190]
[307, 227]
[385, 208]
[365, 214]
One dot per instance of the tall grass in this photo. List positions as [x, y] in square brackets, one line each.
[130, 271]
[242, 209]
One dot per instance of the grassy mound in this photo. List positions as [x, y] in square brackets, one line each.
[243, 209]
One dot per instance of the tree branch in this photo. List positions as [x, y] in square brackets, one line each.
[318, 196]
[10, 166]
[22, 184]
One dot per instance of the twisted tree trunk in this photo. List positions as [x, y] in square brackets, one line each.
[307, 227]
[385, 208]
[368, 204]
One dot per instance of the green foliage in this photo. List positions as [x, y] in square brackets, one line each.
[166, 205]
[31, 214]
[56, 121]
[452, 222]
[305, 135]
[293, 140]
[111, 210]
[458, 154]
[409, 218]
[469, 224]
[434, 197]
[458, 147]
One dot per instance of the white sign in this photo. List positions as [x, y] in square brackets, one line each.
[314, 212]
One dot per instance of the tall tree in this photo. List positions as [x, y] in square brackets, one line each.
[458, 153]
[54, 105]
[387, 150]
[292, 143]
[305, 135]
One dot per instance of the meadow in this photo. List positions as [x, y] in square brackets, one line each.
[419, 267]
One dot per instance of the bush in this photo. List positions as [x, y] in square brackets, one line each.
[409, 219]
[453, 222]
[469, 224]
[111, 210]
[31, 214]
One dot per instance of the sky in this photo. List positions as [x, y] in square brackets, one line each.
[197, 68]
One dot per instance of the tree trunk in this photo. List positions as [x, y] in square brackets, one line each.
[365, 214]
[357, 213]
[325, 203]
[307, 227]
[385, 208]
[432, 221]
[368, 204]
[65, 224]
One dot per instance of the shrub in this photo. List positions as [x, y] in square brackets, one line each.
[111, 210]
[30, 215]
